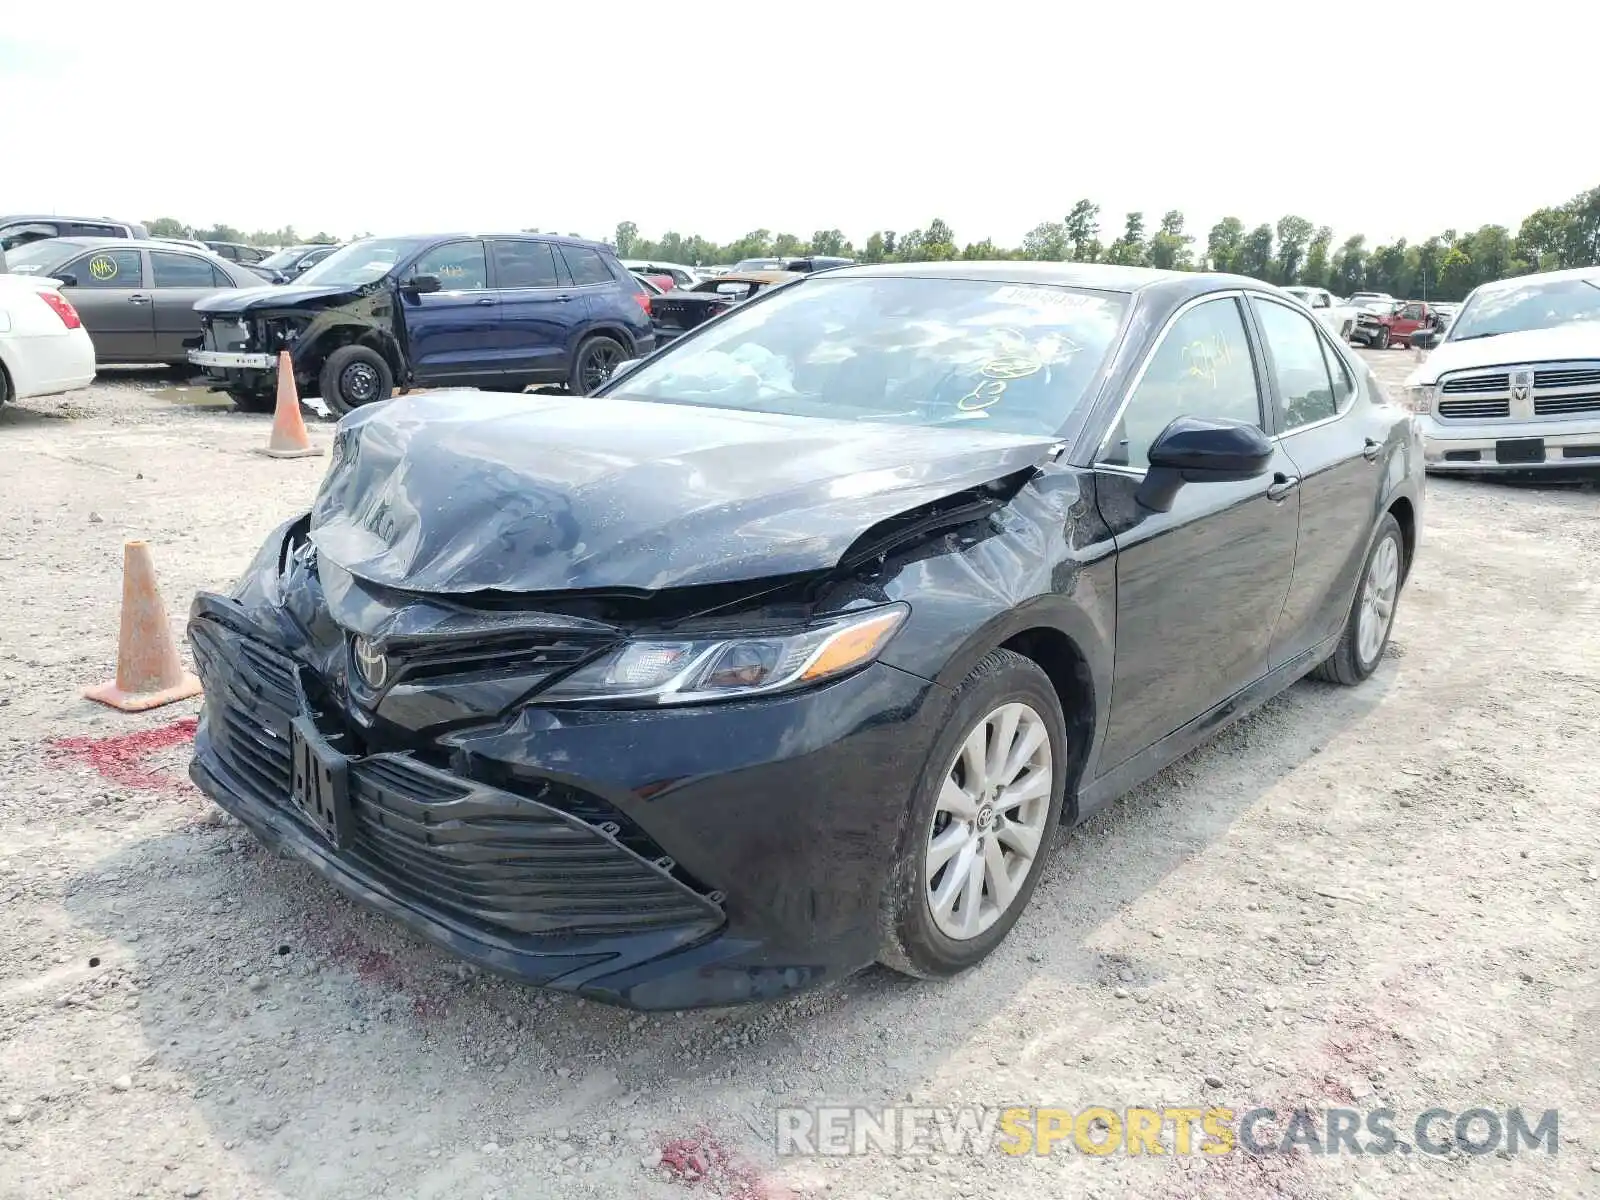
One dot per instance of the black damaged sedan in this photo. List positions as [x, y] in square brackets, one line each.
[788, 651]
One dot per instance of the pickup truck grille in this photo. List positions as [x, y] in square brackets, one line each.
[1549, 391]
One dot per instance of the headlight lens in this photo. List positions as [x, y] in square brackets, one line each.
[1419, 399]
[683, 671]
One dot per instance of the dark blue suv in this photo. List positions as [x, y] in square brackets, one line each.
[498, 311]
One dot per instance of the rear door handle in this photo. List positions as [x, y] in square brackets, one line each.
[1371, 450]
[486, 300]
[564, 298]
[137, 299]
[1282, 485]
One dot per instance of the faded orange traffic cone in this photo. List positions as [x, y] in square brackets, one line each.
[289, 437]
[148, 671]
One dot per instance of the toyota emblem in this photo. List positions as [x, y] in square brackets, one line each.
[371, 663]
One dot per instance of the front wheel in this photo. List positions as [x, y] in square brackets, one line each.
[593, 363]
[1371, 618]
[354, 376]
[1382, 342]
[982, 821]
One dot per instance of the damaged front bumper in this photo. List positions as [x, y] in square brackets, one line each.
[701, 855]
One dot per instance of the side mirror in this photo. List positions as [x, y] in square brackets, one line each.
[1201, 450]
[66, 279]
[421, 285]
[1425, 339]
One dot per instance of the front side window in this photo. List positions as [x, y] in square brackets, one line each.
[108, 269]
[586, 265]
[1202, 368]
[1305, 392]
[519, 264]
[180, 271]
[459, 266]
[917, 351]
[1412, 312]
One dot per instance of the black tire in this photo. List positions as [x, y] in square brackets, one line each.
[912, 944]
[1382, 342]
[1347, 665]
[7, 392]
[593, 363]
[355, 376]
[252, 402]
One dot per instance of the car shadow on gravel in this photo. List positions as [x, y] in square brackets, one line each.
[22, 413]
[326, 1047]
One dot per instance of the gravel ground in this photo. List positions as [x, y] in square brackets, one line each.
[1378, 897]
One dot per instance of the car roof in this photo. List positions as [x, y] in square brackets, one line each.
[499, 233]
[1104, 277]
[1592, 272]
[92, 243]
[64, 217]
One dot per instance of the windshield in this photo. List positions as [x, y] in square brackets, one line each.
[1516, 308]
[284, 259]
[1001, 357]
[359, 262]
[758, 264]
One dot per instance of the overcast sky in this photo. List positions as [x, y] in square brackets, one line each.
[721, 118]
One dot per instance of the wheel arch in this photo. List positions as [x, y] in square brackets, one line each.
[608, 329]
[1405, 515]
[1059, 657]
[309, 361]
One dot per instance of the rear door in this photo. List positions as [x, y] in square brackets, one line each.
[110, 295]
[537, 312]
[178, 280]
[1199, 588]
[452, 333]
[604, 299]
[1333, 440]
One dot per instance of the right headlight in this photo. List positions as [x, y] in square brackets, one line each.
[689, 670]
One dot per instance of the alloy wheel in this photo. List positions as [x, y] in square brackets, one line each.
[989, 821]
[598, 362]
[1377, 599]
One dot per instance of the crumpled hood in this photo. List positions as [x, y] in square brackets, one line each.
[269, 295]
[463, 491]
[1559, 343]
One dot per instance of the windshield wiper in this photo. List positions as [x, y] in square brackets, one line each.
[1472, 337]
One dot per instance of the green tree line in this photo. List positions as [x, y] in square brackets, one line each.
[172, 227]
[1293, 251]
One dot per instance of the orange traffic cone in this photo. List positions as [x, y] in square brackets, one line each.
[289, 437]
[148, 671]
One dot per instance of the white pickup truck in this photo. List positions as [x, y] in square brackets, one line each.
[1335, 314]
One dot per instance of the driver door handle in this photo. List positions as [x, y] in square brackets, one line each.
[1282, 485]
[138, 299]
[1371, 450]
[487, 300]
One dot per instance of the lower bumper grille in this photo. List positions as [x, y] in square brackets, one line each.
[484, 854]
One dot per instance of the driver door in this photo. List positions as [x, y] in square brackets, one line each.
[1200, 588]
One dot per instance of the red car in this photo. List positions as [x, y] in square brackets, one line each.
[1382, 330]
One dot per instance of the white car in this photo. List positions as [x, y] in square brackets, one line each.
[1337, 317]
[681, 276]
[1378, 302]
[1514, 385]
[44, 348]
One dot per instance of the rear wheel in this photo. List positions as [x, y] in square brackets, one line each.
[7, 392]
[982, 821]
[593, 364]
[354, 376]
[1371, 618]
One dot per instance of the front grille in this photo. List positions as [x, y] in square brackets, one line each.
[537, 656]
[1460, 410]
[1568, 405]
[1476, 383]
[507, 861]
[566, 863]
[1567, 377]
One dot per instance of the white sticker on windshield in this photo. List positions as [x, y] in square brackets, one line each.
[1040, 297]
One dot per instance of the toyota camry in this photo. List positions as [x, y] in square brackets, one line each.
[790, 649]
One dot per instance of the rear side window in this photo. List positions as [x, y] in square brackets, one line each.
[181, 271]
[524, 265]
[108, 269]
[81, 229]
[586, 265]
[13, 236]
[1305, 391]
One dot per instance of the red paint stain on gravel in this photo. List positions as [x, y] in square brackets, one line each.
[701, 1160]
[374, 967]
[122, 757]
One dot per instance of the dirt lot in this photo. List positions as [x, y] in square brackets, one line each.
[1381, 897]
